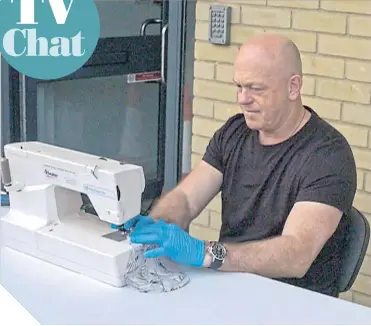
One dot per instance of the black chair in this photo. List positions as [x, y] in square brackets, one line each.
[357, 239]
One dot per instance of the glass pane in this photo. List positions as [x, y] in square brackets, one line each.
[102, 116]
[120, 18]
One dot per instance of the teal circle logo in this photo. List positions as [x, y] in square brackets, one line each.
[48, 39]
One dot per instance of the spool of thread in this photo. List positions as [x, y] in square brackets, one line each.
[5, 172]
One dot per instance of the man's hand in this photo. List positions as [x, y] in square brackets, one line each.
[172, 241]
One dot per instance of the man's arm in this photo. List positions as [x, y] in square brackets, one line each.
[327, 189]
[183, 204]
[308, 227]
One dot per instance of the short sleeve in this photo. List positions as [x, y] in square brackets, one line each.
[330, 177]
[214, 153]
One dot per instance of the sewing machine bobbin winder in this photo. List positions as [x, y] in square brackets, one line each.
[45, 219]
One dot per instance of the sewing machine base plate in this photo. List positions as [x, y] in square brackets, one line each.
[116, 236]
[76, 244]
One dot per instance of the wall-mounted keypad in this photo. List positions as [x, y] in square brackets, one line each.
[219, 24]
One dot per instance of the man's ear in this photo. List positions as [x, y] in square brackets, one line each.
[294, 87]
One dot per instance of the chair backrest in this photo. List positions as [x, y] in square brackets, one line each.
[355, 247]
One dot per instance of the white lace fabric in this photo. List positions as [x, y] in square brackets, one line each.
[153, 274]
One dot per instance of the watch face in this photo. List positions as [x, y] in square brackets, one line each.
[218, 251]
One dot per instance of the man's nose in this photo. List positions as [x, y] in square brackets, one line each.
[244, 97]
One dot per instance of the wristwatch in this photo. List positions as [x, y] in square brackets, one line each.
[218, 253]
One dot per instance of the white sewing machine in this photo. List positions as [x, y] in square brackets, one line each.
[45, 219]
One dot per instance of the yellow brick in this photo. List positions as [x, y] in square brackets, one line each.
[363, 159]
[362, 284]
[355, 6]
[308, 85]
[199, 144]
[215, 220]
[216, 204]
[202, 11]
[245, 2]
[368, 182]
[347, 296]
[343, 90]
[203, 107]
[202, 31]
[356, 135]
[205, 127]
[210, 52]
[356, 113]
[224, 72]
[360, 179]
[204, 70]
[305, 41]
[366, 266]
[266, 17]
[362, 299]
[358, 70]
[368, 218]
[344, 46]
[235, 13]
[360, 25]
[319, 21]
[240, 33]
[223, 111]
[203, 233]
[362, 201]
[202, 219]
[305, 4]
[327, 109]
[214, 90]
[195, 159]
[322, 66]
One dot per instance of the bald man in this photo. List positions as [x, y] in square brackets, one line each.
[287, 180]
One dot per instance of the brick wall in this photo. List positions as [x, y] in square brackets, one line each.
[334, 38]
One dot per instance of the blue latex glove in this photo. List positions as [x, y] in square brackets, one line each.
[172, 241]
[138, 221]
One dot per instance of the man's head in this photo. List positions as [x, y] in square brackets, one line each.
[268, 74]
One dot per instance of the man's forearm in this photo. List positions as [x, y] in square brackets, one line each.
[275, 258]
[173, 208]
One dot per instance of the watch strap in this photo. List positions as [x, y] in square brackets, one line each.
[216, 264]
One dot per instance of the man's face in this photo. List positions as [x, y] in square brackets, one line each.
[262, 94]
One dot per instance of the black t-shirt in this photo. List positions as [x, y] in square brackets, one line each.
[261, 184]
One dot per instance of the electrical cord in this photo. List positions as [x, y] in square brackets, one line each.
[149, 208]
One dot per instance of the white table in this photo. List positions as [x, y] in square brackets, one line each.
[57, 296]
